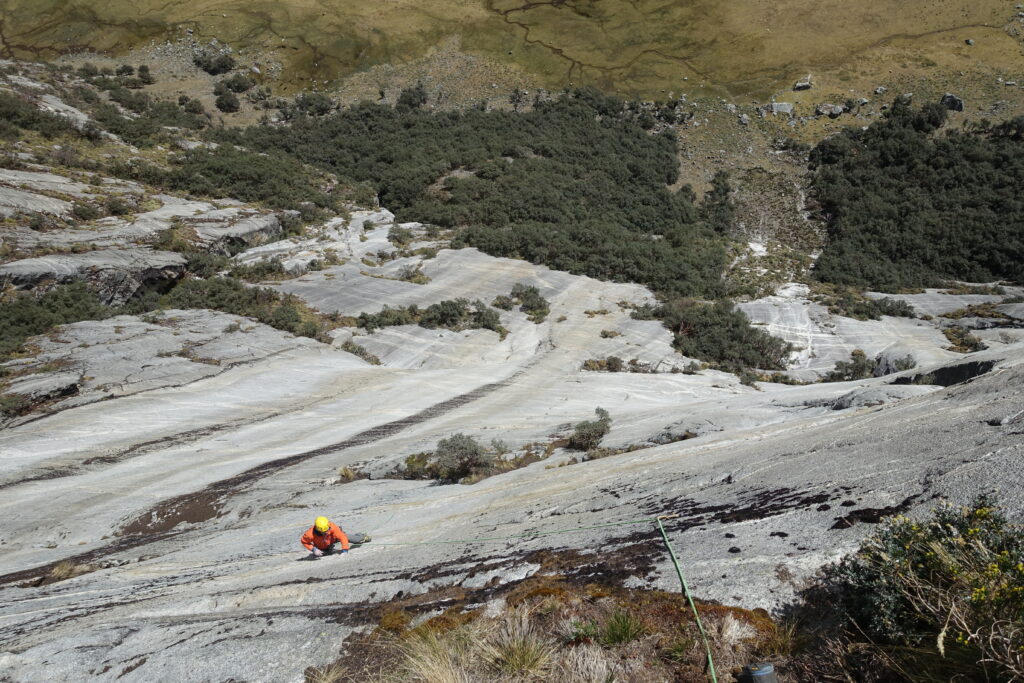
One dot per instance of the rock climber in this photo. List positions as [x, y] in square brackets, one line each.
[325, 538]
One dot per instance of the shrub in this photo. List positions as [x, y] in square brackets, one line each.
[232, 296]
[16, 114]
[228, 102]
[238, 83]
[25, 315]
[399, 236]
[457, 456]
[503, 302]
[530, 302]
[215, 65]
[951, 585]
[587, 435]
[963, 341]
[858, 367]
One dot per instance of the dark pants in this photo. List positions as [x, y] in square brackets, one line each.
[333, 548]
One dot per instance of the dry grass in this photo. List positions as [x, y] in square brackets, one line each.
[332, 673]
[644, 47]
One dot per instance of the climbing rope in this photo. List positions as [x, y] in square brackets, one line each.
[686, 592]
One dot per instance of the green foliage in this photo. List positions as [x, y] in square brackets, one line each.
[17, 114]
[907, 207]
[26, 315]
[530, 302]
[360, 351]
[282, 312]
[962, 340]
[238, 83]
[452, 314]
[858, 367]
[503, 302]
[851, 303]
[588, 434]
[215, 65]
[457, 457]
[622, 627]
[718, 209]
[228, 102]
[276, 180]
[265, 269]
[952, 581]
[585, 190]
[722, 335]
[399, 236]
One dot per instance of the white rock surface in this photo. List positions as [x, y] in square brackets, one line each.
[190, 485]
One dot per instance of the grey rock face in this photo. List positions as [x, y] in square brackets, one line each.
[115, 274]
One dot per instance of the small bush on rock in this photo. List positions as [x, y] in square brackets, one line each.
[588, 434]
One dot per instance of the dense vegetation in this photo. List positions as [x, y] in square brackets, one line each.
[943, 596]
[720, 334]
[452, 314]
[910, 206]
[17, 115]
[575, 183]
[25, 315]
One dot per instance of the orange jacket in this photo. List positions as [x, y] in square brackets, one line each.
[332, 535]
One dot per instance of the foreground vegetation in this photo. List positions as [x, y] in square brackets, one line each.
[937, 599]
[909, 205]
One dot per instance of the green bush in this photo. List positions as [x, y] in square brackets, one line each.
[452, 314]
[952, 584]
[907, 207]
[720, 334]
[17, 114]
[858, 367]
[232, 296]
[26, 315]
[238, 83]
[530, 302]
[276, 180]
[588, 434]
[228, 102]
[457, 457]
[215, 65]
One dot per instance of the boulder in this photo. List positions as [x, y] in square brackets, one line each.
[781, 108]
[802, 85]
[952, 102]
[880, 90]
[832, 111]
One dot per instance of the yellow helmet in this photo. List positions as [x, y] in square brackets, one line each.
[322, 524]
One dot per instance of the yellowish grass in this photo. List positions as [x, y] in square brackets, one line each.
[639, 47]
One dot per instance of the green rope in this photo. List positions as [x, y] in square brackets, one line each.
[686, 592]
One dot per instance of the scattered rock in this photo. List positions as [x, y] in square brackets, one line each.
[833, 111]
[744, 120]
[781, 108]
[881, 90]
[969, 41]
